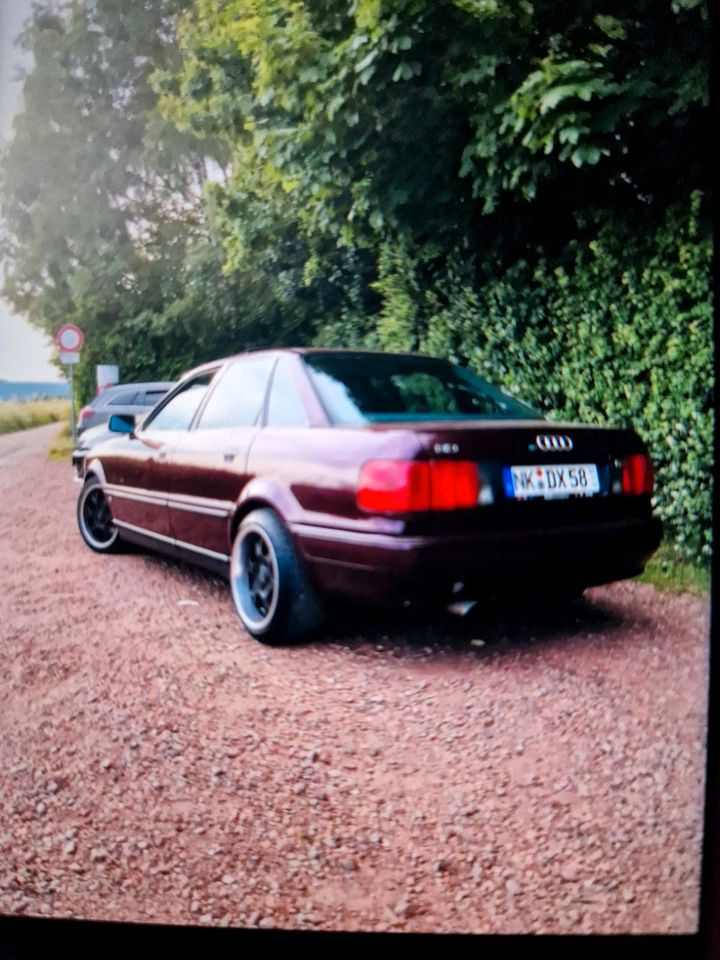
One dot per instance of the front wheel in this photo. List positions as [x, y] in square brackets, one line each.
[94, 520]
[273, 595]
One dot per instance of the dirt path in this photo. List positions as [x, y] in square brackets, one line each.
[505, 773]
[20, 445]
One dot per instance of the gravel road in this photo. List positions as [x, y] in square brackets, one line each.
[513, 771]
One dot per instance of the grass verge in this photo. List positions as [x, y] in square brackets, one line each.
[61, 447]
[18, 415]
[669, 571]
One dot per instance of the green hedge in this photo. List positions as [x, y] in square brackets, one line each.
[618, 329]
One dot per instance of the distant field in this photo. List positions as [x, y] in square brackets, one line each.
[32, 413]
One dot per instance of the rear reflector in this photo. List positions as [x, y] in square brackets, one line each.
[403, 486]
[86, 413]
[637, 474]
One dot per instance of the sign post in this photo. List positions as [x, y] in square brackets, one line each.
[70, 339]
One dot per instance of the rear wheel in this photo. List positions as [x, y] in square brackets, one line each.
[94, 519]
[271, 590]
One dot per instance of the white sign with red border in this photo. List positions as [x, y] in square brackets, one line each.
[69, 338]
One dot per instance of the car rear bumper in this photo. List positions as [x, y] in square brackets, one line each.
[385, 568]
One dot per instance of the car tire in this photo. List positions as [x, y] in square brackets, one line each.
[94, 519]
[272, 592]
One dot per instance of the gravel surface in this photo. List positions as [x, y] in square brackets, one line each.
[513, 771]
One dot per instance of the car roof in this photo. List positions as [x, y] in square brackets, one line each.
[302, 351]
[149, 385]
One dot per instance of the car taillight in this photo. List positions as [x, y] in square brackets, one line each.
[86, 413]
[404, 486]
[453, 484]
[637, 474]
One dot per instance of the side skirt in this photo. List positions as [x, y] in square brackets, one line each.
[156, 543]
[153, 544]
[213, 564]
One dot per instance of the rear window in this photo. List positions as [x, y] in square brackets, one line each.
[368, 388]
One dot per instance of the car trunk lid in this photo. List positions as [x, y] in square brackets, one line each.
[545, 450]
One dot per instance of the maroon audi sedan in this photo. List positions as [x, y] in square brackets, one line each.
[302, 474]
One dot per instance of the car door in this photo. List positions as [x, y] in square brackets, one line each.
[140, 475]
[209, 462]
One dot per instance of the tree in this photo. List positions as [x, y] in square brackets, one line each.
[416, 118]
[102, 198]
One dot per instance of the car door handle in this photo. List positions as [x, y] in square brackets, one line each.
[162, 454]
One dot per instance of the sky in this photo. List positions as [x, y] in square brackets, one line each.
[24, 351]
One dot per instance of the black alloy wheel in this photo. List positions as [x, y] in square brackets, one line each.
[272, 592]
[261, 572]
[94, 518]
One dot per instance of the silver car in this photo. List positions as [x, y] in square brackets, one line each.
[136, 399]
[129, 398]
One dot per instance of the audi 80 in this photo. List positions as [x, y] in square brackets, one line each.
[302, 474]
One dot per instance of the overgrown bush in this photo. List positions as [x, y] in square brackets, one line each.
[618, 329]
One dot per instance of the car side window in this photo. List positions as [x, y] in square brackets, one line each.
[178, 413]
[123, 400]
[149, 398]
[285, 406]
[238, 397]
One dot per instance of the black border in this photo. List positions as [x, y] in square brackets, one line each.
[22, 938]
[710, 876]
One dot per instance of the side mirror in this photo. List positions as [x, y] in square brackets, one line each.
[121, 423]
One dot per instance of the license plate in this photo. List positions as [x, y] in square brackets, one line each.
[552, 482]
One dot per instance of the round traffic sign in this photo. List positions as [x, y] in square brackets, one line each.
[69, 337]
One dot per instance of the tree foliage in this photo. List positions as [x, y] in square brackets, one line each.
[417, 117]
[103, 208]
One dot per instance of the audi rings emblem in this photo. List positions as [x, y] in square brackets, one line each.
[551, 441]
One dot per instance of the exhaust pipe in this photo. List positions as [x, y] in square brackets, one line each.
[462, 606]
[460, 609]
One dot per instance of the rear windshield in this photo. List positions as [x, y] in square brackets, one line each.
[370, 388]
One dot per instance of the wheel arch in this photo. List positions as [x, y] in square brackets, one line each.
[95, 469]
[247, 507]
[263, 494]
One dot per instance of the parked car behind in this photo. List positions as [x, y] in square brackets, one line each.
[301, 474]
[149, 393]
[131, 398]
